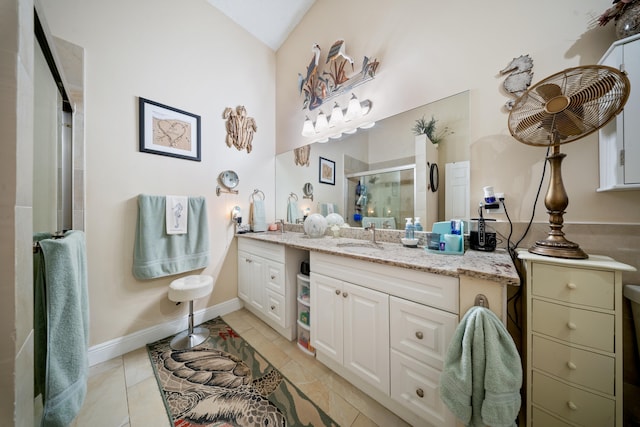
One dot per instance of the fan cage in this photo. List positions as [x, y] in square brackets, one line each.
[568, 105]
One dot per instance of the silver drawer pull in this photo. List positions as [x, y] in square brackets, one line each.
[273, 276]
[572, 405]
[571, 286]
[572, 366]
[338, 291]
[419, 392]
[273, 307]
[344, 294]
[571, 326]
[419, 335]
[248, 260]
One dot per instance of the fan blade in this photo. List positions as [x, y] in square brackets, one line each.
[532, 120]
[569, 123]
[594, 91]
[548, 91]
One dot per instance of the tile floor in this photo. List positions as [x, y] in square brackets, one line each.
[123, 391]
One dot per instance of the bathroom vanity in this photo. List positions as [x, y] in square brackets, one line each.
[381, 317]
[573, 340]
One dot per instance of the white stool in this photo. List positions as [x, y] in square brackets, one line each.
[185, 289]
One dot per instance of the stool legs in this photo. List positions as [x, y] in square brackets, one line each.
[191, 337]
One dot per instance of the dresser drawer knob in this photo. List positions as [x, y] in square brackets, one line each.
[571, 326]
[273, 307]
[338, 291]
[273, 276]
[572, 405]
[419, 335]
[344, 294]
[248, 260]
[571, 286]
[420, 393]
[572, 366]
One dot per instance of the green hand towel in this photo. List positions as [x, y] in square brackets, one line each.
[61, 323]
[158, 254]
[482, 374]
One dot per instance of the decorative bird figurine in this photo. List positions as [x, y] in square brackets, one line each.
[313, 65]
[336, 50]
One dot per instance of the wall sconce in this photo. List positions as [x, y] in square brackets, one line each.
[338, 121]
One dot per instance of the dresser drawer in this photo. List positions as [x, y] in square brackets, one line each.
[583, 286]
[578, 326]
[578, 406]
[540, 418]
[416, 386]
[578, 366]
[275, 277]
[421, 332]
[275, 308]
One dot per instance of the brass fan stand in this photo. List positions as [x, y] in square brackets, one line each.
[562, 108]
[556, 201]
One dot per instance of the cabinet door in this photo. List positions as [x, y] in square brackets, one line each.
[366, 334]
[326, 316]
[258, 284]
[631, 59]
[245, 272]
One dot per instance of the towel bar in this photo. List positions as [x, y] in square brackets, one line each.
[481, 301]
[293, 196]
[257, 192]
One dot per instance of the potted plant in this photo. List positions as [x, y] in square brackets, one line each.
[428, 127]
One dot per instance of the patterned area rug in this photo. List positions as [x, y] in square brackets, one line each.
[225, 382]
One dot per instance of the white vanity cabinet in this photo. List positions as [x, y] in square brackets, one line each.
[386, 330]
[574, 341]
[620, 139]
[267, 282]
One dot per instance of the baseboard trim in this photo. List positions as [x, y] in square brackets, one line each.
[117, 347]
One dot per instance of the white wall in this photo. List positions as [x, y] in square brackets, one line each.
[429, 50]
[189, 56]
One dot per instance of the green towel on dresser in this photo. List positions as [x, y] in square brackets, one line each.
[482, 374]
[61, 326]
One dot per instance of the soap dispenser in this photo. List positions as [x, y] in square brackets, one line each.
[409, 229]
[417, 224]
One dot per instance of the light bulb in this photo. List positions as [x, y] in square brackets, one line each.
[307, 127]
[336, 116]
[354, 110]
[321, 122]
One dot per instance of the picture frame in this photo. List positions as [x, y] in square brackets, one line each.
[168, 131]
[327, 171]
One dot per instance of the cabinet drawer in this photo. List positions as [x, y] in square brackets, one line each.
[275, 308]
[266, 250]
[275, 277]
[542, 419]
[421, 332]
[574, 325]
[578, 406]
[416, 386]
[575, 285]
[578, 366]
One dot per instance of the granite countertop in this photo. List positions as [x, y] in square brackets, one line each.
[496, 266]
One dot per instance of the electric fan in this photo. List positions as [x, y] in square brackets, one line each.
[562, 108]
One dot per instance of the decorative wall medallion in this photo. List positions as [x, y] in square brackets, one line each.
[519, 79]
[301, 155]
[240, 128]
[319, 86]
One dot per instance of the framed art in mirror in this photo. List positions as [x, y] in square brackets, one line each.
[168, 131]
[327, 171]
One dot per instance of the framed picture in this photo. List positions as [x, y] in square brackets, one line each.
[327, 171]
[168, 131]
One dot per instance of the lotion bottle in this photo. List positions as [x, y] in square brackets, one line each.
[417, 224]
[409, 229]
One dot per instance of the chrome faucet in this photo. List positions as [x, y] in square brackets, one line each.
[281, 222]
[372, 228]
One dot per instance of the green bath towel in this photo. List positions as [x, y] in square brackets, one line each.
[158, 254]
[482, 374]
[61, 326]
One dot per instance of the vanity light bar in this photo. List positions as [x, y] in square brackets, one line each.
[339, 118]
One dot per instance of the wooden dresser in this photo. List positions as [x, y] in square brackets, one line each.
[573, 341]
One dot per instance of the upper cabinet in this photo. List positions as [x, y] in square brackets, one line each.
[620, 138]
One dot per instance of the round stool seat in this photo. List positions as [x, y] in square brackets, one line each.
[191, 287]
[185, 289]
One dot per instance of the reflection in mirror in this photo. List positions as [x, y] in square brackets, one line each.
[390, 146]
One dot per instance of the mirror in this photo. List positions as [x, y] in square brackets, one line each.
[399, 162]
